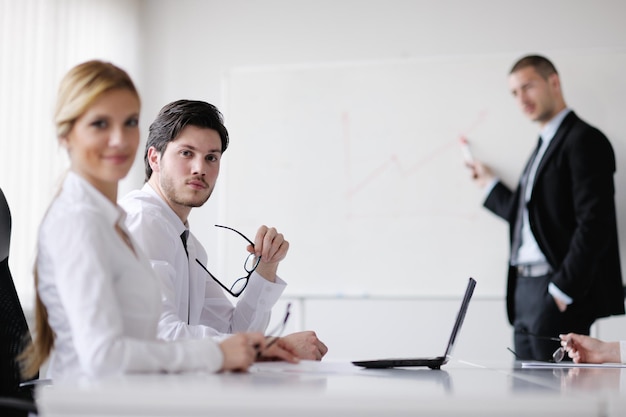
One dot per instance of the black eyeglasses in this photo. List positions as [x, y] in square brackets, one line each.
[249, 265]
[273, 336]
[558, 354]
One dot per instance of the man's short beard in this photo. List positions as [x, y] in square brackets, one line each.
[189, 203]
[172, 195]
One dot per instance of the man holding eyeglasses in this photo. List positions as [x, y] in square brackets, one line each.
[182, 161]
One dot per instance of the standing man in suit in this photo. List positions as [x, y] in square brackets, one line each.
[564, 269]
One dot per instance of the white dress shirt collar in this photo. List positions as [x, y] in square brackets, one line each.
[112, 212]
[550, 128]
[167, 210]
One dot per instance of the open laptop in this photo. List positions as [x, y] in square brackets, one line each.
[433, 362]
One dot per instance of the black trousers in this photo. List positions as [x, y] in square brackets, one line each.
[536, 313]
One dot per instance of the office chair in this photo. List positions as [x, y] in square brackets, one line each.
[14, 333]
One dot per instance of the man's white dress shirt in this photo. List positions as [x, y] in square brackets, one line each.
[194, 306]
[103, 300]
[529, 251]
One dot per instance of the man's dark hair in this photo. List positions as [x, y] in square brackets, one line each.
[174, 117]
[541, 64]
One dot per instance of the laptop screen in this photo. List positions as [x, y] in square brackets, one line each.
[460, 316]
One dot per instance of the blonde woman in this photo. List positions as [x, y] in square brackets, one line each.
[98, 302]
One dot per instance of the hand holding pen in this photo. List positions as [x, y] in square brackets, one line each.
[481, 174]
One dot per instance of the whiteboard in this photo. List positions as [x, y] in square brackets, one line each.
[358, 164]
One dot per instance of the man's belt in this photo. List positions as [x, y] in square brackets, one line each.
[533, 270]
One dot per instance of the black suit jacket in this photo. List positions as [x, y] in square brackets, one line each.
[572, 216]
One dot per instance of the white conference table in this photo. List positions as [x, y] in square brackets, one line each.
[340, 389]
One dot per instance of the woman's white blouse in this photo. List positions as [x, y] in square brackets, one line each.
[103, 300]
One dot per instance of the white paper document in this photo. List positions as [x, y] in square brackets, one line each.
[552, 365]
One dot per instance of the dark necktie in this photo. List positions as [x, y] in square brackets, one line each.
[521, 205]
[184, 236]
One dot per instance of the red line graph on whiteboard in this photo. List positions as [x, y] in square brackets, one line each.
[393, 162]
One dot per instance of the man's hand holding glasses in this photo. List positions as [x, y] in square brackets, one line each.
[271, 248]
[266, 252]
